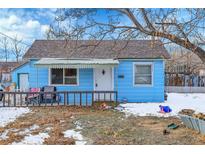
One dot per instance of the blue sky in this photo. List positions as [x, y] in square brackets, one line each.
[30, 24]
[27, 24]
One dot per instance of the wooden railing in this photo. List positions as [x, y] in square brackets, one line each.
[76, 98]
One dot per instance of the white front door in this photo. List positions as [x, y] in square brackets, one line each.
[23, 82]
[103, 81]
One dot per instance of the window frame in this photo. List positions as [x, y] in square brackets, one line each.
[152, 74]
[77, 71]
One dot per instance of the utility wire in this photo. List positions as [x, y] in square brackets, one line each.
[14, 39]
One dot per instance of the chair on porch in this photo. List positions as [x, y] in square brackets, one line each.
[50, 96]
[34, 97]
[1, 95]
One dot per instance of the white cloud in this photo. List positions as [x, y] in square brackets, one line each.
[33, 24]
[27, 24]
[44, 29]
[13, 19]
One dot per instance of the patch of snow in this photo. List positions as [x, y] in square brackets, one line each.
[62, 121]
[33, 127]
[3, 135]
[80, 142]
[78, 125]
[120, 108]
[9, 114]
[76, 135]
[176, 101]
[33, 139]
[28, 130]
[48, 129]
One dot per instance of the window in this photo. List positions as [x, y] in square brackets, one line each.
[64, 76]
[70, 76]
[56, 76]
[143, 74]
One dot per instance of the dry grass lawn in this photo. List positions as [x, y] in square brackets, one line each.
[99, 127]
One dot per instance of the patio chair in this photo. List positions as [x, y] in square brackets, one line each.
[35, 97]
[49, 97]
[1, 95]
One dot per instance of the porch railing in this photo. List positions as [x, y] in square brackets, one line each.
[66, 98]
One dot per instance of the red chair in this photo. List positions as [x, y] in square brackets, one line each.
[35, 96]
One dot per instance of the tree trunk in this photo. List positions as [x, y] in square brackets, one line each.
[181, 42]
[17, 59]
[201, 53]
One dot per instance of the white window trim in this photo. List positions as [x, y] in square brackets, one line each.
[152, 69]
[63, 78]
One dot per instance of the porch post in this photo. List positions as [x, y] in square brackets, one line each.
[37, 77]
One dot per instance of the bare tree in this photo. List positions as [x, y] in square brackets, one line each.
[4, 52]
[17, 48]
[182, 27]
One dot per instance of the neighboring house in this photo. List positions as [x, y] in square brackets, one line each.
[5, 71]
[186, 63]
[135, 69]
[185, 69]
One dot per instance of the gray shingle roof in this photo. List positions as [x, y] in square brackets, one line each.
[97, 49]
[8, 64]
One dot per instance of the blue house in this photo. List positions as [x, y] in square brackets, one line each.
[135, 69]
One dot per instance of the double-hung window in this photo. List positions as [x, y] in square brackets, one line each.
[66, 76]
[143, 73]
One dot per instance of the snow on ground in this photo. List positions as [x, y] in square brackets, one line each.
[76, 135]
[9, 114]
[28, 130]
[78, 125]
[3, 136]
[176, 101]
[33, 139]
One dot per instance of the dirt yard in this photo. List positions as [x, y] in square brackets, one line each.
[91, 126]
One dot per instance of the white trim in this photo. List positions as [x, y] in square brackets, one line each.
[49, 78]
[113, 78]
[75, 63]
[133, 74]
[94, 88]
[148, 60]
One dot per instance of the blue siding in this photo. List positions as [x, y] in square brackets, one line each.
[125, 87]
[85, 83]
[39, 78]
[23, 69]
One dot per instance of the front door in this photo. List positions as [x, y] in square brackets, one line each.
[23, 82]
[103, 81]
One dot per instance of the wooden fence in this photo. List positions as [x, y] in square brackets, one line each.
[184, 80]
[76, 98]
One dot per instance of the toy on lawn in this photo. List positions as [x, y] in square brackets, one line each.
[165, 109]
